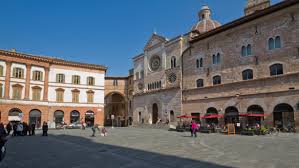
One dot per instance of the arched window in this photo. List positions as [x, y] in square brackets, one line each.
[173, 62]
[271, 44]
[247, 74]
[1, 70]
[90, 96]
[214, 59]
[59, 95]
[218, 58]
[17, 91]
[199, 83]
[197, 63]
[248, 50]
[201, 62]
[216, 80]
[277, 42]
[276, 69]
[75, 95]
[243, 51]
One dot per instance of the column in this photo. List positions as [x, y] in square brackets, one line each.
[7, 80]
[46, 84]
[27, 85]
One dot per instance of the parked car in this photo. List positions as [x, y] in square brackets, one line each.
[75, 125]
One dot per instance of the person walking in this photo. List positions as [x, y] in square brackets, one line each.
[32, 129]
[194, 129]
[14, 127]
[19, 129]
[8, 128]
[45, 129]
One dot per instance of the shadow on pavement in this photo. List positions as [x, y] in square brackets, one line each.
[78, 152]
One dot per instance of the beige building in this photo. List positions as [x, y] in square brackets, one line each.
[247, 66]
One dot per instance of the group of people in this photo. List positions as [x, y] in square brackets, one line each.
[24, 129]
[103, 132]
[20, 129]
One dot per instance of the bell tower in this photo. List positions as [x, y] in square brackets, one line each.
[255, 5]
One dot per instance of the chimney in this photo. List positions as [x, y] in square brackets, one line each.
[256, 5]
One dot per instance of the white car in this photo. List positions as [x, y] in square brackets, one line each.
[75, 125]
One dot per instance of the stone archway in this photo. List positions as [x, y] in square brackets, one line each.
[75, 116]
[155, 113]
[254, 109]
[212, 111]
[89, 118]
[15, 114]
[35, 116]
[231, 115]
[115, 110]
[283, 116]
[58, 117]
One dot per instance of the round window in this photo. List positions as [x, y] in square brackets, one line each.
[172, 78]
[155, 63]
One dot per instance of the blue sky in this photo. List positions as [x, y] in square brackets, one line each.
[106, 32]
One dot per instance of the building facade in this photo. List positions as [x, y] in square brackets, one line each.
[247, 66]
[37, 89]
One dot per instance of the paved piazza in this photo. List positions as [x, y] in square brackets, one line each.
[149, 148]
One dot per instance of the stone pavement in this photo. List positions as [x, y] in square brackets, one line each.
[150, 148]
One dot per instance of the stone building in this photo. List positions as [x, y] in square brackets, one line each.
[118, 101]
[37, 89]
[248, 66]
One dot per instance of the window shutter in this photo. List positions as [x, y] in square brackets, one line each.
[14, 73]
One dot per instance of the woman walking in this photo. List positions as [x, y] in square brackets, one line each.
[194, 128]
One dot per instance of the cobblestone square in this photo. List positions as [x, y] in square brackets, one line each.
[135, 148]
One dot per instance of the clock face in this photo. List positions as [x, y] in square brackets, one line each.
[155, 63]
[172, 78]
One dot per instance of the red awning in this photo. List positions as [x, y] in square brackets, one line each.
[213, 116]
[185, 116]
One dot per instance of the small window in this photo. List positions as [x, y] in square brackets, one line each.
[60, 78]
[173, 62]
[37, 76]
[214, 59]
[36, 93]
[137, 75]
[75, 96]
[201, 62]
[18, 73]
[76, 79]
[248, 50]
[199, 83]
[115, 82]
[59, 95]
[218, 59]
[1, 70]
[17, 91]
[276, 69]
[197, 63]
[271, 44]
[243, 52]
[247, 74]
[142, 74]
[277, 42]
[90, 81]
[216, 80]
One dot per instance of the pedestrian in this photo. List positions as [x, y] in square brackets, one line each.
[8, 128]
[14, 127]
[104, 132]
[20, 129]
[45, 129]
[33, 129]
[194, 129]
[191, 129]
[93, 131]
[29, 130]
[25, 128]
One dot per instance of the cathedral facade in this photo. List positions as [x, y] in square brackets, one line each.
[248, 67]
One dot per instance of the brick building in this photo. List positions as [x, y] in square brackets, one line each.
[37, 89]
[250, 65]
